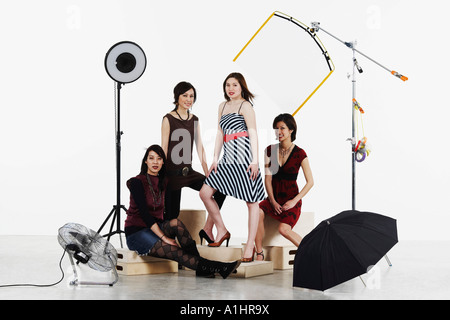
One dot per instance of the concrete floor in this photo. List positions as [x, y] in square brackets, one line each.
[421, 270]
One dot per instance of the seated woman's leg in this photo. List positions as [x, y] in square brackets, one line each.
[167, 251]
[176, 229]
[287, 232]
[188, 255]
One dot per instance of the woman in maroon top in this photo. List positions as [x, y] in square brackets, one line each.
[148, 233]
[282, 164]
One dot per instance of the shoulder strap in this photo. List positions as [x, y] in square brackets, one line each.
[223, 108]
[240, 107]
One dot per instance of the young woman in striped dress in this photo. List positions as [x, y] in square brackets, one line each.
[237, 174]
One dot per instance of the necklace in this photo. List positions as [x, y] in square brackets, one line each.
[156, 197]
[176, 111]
[285, 152]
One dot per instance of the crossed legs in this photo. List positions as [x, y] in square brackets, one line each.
[206, 194]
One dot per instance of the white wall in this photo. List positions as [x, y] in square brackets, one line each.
[57, 159]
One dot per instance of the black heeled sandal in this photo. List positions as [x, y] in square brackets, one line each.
[260, 254]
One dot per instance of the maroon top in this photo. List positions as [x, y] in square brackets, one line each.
[144, 211]
[284, 184]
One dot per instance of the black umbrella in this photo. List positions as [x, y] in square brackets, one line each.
[342, 248]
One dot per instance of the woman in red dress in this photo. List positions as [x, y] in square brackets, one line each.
[282, 164]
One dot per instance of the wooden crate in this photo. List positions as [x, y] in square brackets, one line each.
[194, 220]
[224, 254]
[272, 236]
[130, 263]
[281, 256]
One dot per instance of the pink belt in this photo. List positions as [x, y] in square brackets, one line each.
[233, 136]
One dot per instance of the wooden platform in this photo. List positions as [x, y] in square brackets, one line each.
[224, 254]
[130, 263]
[233, 253]
[254, 269]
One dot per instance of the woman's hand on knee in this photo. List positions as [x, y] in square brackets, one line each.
[168, 240]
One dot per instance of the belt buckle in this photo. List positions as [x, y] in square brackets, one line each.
[185, 171]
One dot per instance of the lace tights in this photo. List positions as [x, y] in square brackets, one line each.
[176, 229]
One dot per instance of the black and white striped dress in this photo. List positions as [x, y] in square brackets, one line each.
[232, 177]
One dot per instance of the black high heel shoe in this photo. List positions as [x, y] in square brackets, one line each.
[203, 235]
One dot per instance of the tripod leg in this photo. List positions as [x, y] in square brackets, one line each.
[112, 223]
[388, 261]
[362, 281]
[115, 213]
[106, 220]
[118, 223]
[120, 238]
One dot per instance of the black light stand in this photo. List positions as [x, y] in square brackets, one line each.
[125, 62]
[115, 211]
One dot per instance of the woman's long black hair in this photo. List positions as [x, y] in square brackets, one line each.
[162, 173]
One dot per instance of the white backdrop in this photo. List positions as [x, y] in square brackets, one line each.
[57, 161]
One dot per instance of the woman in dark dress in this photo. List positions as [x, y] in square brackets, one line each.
[282, 164]
[180, 129]
[146, 230]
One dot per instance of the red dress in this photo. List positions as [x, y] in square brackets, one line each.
[284, 184]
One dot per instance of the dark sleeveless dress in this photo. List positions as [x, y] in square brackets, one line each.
[179, 160]
[179, 152]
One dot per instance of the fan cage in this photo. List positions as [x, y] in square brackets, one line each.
[102, 256]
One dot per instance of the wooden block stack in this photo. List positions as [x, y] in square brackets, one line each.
[281, 256]
[272, 236]
[130, 263]
[194, 220]
[279, 249]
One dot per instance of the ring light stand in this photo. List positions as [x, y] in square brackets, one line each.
[125, 62]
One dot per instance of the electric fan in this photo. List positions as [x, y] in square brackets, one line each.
[88, 247]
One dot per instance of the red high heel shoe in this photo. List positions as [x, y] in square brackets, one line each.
[227, 237]
[249, 259]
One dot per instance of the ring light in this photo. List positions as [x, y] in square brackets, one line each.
[125, 62]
